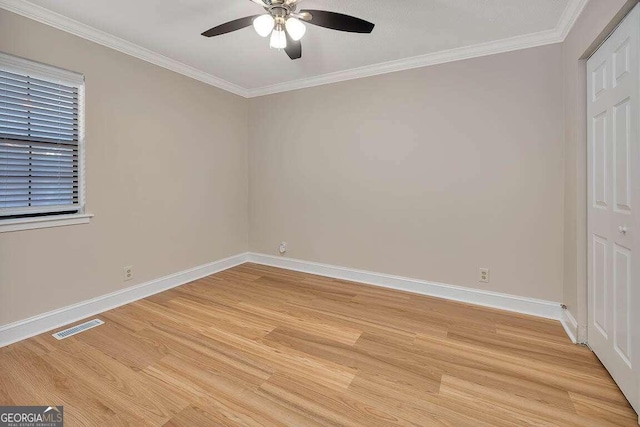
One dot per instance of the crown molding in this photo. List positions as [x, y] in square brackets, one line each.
[458, 54]
[556, 35]
[61, 22]
[570, 16]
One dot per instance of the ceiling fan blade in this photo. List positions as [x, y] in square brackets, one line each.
[294, 48]
[230, 26]
[260, 2]
[306, 16]
[338, 21]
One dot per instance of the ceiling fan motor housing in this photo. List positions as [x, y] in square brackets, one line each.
[281, 11]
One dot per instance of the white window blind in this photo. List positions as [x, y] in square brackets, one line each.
[40, 140]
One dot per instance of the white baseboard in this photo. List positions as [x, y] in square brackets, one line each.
[570, 325]
[36, 325]
[582, 334]
[531, 306]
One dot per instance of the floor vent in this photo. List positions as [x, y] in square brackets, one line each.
[77, 329]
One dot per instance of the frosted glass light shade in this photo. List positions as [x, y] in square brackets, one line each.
[278, 39]
[263, 25]
[295, 28]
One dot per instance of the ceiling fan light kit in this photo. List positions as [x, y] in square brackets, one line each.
[264, 24]
[286, 25]
[278, 38]
[295, 28]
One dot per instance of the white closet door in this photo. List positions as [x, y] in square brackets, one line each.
[614, 205]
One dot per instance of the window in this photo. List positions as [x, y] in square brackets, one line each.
[41, 140]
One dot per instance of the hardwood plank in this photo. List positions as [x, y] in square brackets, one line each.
[30, 380]
[118, 385]
[221, 359]
[618, 414]
[227, 398]
[325, 406]
[372, 325]
[120, 344]
[458, 358]
[422, 408]
[194, 416]
[364, 363]
[342, 334]
[512, 406]
[298, 363]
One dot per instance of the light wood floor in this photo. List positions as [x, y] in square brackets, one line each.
[261, 346]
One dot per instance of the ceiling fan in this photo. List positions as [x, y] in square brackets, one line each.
[286, 24]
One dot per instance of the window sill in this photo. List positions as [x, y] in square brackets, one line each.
[9, 225]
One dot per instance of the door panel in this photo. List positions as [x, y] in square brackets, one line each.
[622, 184]
[600, 284]
[600, 160]
[599, 76]
[621, 302]
[613, 106]
[621, 61]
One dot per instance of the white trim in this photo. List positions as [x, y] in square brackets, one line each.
[45, 16]
[518, 304]
[18, 224]
[458, 54]
[61, 22]
[36, 325]
[582, 334]
[38, 70]
[22, 66]
[570, 325]
[82, 148]
[570, 16]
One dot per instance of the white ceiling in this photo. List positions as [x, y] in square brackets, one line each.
[404, 29]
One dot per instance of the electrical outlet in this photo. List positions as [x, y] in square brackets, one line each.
[484, 275]
[128, 273]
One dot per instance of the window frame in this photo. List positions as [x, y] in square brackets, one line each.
[17, 65]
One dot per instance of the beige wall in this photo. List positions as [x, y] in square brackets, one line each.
[596, 21]
[166, 178]
[429, 173]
